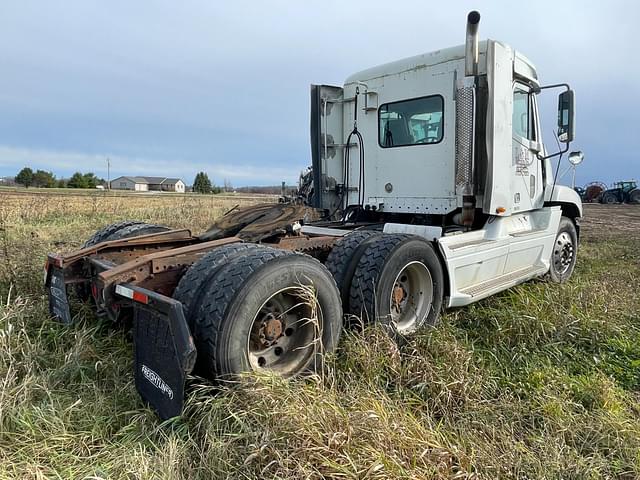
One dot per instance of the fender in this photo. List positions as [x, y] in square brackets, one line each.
[568, 200]
[563, 195]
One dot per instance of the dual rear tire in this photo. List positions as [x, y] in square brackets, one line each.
[260, 308]
[395, 279]
[251, 307]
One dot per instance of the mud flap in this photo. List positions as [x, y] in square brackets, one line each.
[164, 352]
[57, 289]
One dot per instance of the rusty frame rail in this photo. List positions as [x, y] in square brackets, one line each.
[157, 240]
[155, 261]
[158, 271]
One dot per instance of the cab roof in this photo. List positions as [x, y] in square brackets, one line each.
[522, 65]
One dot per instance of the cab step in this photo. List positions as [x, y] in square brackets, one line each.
[507, 280]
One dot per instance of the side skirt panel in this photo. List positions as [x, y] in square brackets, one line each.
[505, 252]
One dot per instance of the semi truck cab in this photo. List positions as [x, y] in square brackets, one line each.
[450, 141]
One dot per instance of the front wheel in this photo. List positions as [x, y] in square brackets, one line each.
[564, 253]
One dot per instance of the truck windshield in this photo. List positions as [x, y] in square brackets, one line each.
[411, 122]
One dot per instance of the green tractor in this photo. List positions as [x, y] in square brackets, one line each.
[622, 192]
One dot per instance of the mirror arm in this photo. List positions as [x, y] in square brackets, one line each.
[561, 152]
[566, 86]
[537, 90]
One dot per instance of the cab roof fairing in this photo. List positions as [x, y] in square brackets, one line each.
[522, 67]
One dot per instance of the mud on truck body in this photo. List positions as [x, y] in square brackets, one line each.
[430, 188]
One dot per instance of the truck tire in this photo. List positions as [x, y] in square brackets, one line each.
[609, 198]
[634, 196]
[198, 276]
[343, 259]
[269, 309]
[104, 233]
[116, 231]
[399, 280]
[137, 230]
[565, 250]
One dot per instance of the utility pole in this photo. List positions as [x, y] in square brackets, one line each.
[108, 174]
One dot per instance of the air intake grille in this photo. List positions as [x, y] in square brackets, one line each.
[465, 100]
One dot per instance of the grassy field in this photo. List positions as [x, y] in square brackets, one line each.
[542, 381]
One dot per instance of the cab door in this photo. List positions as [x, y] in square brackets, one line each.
[327, 152]
[411, 142]
[526, 178]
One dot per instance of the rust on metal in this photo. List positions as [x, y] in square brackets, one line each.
[272, 329]
[260, 222]
[398, 294]
[306, 244]
[167, 239]
[146, 267]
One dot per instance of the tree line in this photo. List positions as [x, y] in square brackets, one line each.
[43, 179]
[202, 184]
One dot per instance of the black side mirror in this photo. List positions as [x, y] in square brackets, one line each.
[566, 117]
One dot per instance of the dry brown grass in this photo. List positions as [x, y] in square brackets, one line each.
[542, 381]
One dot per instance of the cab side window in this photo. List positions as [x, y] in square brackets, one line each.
[417, 121]
[521, 113]
[523, 120]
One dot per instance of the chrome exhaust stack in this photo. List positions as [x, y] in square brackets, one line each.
[465, 123]
[471, 54]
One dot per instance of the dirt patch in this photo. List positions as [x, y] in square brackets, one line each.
[610, 221]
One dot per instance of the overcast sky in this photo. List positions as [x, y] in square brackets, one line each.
[171, 88]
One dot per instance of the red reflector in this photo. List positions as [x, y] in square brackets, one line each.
[94, 291]
[140, 297]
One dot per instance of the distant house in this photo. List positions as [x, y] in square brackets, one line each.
[145, 184]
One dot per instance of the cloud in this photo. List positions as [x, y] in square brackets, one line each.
[224, 86]
[12, 159]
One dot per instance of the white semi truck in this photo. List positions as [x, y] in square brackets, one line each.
[430, 188]
[451, 149]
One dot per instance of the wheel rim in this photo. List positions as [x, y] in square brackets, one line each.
[411, 296]
[563, 253]
[286, 332]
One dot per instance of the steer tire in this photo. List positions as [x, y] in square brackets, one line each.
[198, 276]
[609, 198]
[379, 274]
[564, 253]
[104, 233]
[344, 257]
[227, 321]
